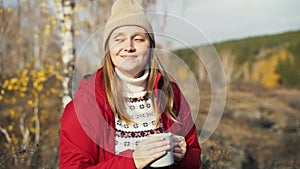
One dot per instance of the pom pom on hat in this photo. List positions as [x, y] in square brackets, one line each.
[126, 13]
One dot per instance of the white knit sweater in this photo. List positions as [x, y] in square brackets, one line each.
[139, 108]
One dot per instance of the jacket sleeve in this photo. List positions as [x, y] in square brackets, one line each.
[192, 159]
[77, 150]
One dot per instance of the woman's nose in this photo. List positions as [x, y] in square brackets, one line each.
[129, 46]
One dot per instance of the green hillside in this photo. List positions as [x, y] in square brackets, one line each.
[246, 49]
[278, 52]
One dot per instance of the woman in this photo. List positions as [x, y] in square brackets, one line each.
[107, 123]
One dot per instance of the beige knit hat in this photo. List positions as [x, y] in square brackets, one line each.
[125, 13]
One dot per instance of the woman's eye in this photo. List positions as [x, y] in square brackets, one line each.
[118, 40]
[139, 39]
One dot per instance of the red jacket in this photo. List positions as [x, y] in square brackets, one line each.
[87, 130]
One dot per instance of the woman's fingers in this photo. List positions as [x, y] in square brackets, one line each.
[178, 150]
[149, 149]
[152, 146]
[179, 147]
[177, 139]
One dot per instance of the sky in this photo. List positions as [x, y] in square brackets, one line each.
[221, 20]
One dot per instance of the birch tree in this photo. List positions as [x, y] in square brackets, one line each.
[65, 12]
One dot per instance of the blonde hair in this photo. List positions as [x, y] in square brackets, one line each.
[113, 88]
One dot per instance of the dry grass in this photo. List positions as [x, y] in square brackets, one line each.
[259, 129]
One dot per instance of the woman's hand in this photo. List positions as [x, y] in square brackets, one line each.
[149, 149]
[179, 147]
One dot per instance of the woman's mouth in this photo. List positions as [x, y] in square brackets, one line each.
[128, 56]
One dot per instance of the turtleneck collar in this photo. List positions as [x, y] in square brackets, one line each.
[133, 85]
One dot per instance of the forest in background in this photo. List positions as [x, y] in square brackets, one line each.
[262, 75]
[271, 60]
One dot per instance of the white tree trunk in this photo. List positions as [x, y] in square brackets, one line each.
[65, 14]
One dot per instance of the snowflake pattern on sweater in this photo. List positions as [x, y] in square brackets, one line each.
[140, 110]
[127, 136]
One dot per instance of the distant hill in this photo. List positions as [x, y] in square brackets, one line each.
[253, 45]
[272, 60]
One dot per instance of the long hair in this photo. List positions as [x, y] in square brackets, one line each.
[113, 88]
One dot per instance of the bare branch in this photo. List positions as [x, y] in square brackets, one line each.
[24, 132]
[37, 121]
[4, 131]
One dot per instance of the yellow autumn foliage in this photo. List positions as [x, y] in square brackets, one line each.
[264, 71]
[29, 81]
[13, 100]
[10, 127]
[54, 24]
[47, 30]
[30, 103]
[9, 10]
[2, 92]
[14, 139]
[5, 84]
[23, 89]
[22, 95]
[182, 73]
[12, 113]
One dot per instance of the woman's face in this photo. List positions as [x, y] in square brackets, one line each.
[129, 49]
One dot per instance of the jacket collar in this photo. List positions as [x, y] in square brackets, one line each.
[89, 82]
